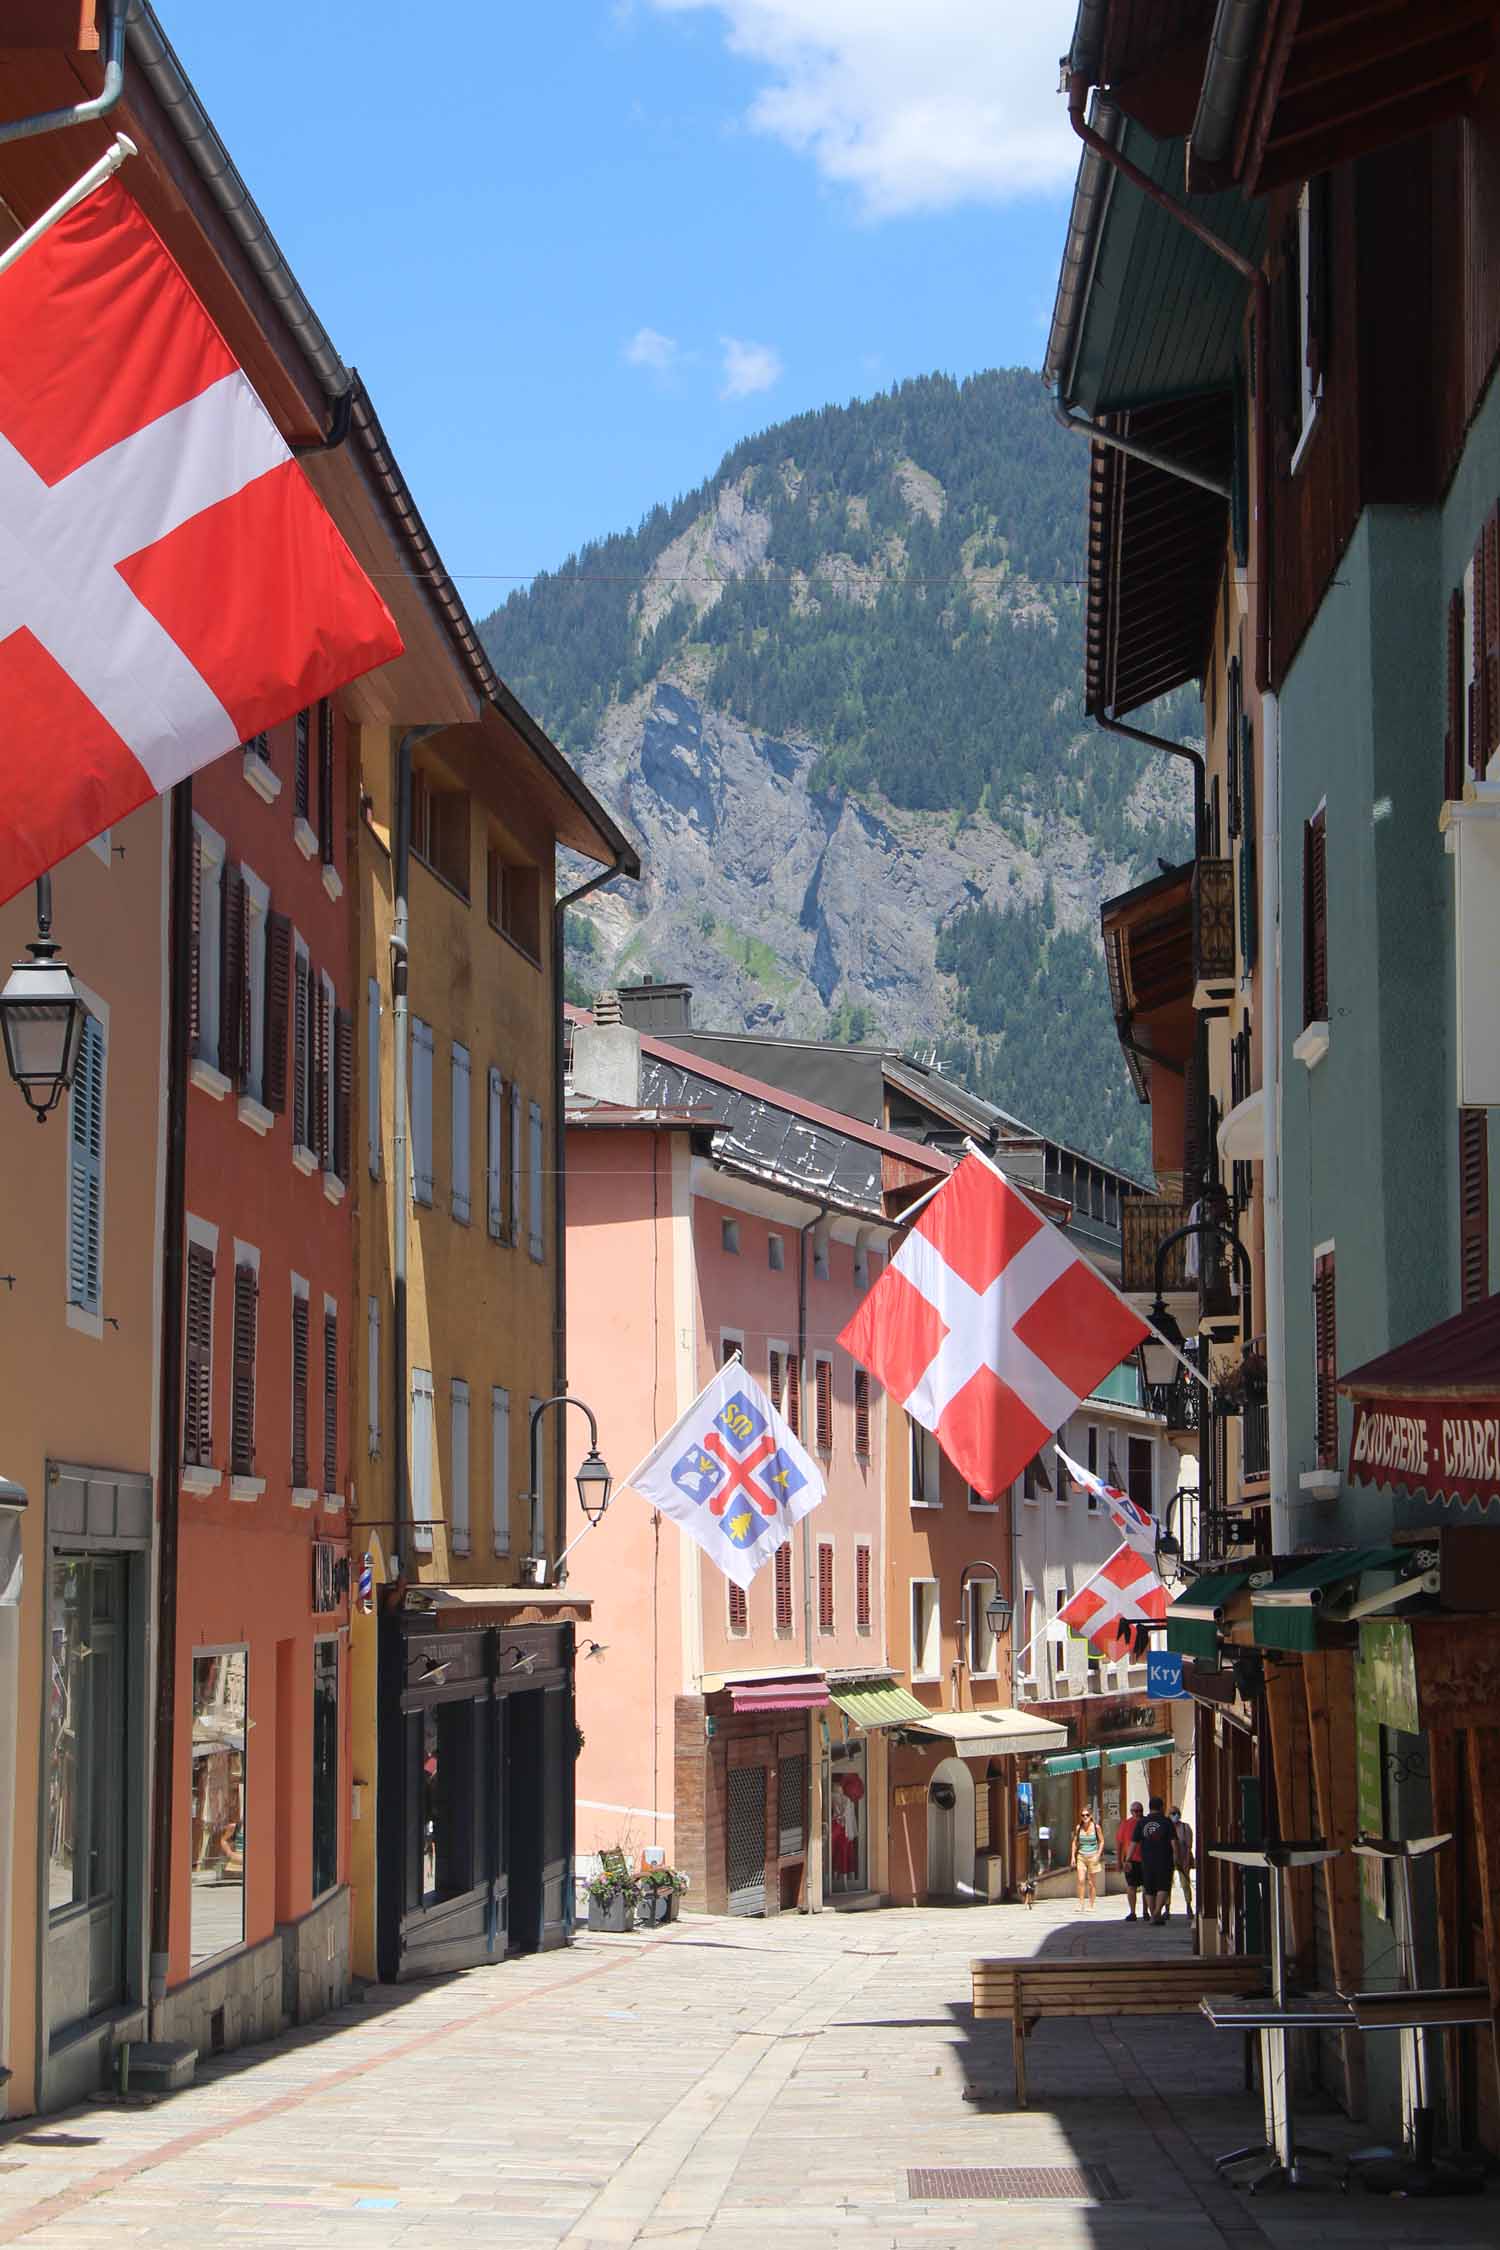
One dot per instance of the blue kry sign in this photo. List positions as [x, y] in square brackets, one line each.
[1164, 1673]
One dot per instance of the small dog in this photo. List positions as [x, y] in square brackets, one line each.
[1028, 1892]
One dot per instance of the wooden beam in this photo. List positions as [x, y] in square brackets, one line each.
[1328, 1680]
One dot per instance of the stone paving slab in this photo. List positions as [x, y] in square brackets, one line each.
[719, 2086]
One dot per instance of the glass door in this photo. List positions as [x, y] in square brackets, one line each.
[87, 1779]
[844, 1804]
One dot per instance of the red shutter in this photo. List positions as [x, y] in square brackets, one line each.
[330, 1402]
[325, 782]
[862, 1589]
[739, 1610]
[299, 1392]
[861, 1414]
[278, 1009]
[1325, 1347]
[233, 963]
[794, 1396]
[825, 1587]
[1453, 741]
[343, 1091]
[783, 1586]
[242, 1379]
[197, 1394]
[1315, 920]
[195, 941]
[773, 1370]
[823, 1391]
[1473, 1206]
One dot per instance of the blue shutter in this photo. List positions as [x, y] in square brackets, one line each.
[86, 1172]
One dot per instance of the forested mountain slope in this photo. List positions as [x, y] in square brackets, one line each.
[835, 693]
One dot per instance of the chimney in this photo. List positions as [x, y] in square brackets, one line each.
[659, 1007]
[606, 1062]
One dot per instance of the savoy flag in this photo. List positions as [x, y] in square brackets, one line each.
[732, 1474]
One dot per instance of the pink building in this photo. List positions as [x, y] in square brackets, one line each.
[707, 1214]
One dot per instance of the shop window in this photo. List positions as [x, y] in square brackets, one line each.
[220, 1722]
[445, 1779]
[791, 1804]
[87, 1705]
[846, 1817]
[325, 1767]
[440, 828]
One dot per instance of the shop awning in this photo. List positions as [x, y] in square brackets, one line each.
[778, 1695]
[1002, 1731]
[1427, 1415]
[879, 1703]
[1286, 1615]
[1193, 1619]
[1073, 1761]
[1132, 1753]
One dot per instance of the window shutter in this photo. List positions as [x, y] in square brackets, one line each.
[739, 1609]
[534, 1209]
[421, 1458]
[825, 1586]
[330, 1400]
[197, 1393]
[1317, 279]
[1315, 920]
[1325, 1345]
[1249, 902]
[374, 1382]
[234, 995]
[343, 1092]
[494, 1152]
[372, 1076]
[823, 1394]
[86, 1172]
[242, 1375]
[195, 941]
[325, 782]
[458, 1499]
[1231, 738]
[541, 1466]
[1479, 715]
[862, 1606]
[323, 1073]
[500, 1470]
[517, 1111]
[299, 1392]
[773, 1372]
[1473, 1206]
[302, 785]
[459, 1134]
[301, 1026]
[1287, 330]
[1453, 741]
[783, 1587]
[861, 1414]
[794, 1395]
[421, 1110]
[278, 1009]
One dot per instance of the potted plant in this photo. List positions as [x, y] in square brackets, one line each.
[660, 1889]
[612, 1897]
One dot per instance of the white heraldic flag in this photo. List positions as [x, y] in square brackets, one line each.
[732, 1474]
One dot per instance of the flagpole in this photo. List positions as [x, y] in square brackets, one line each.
[95, 176]
[973, 1149]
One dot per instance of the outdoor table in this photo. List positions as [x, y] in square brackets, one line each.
[1397, 1853]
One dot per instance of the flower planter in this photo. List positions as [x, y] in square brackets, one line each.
[655, 1908]
[611, 1915]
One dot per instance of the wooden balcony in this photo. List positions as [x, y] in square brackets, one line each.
[1213, 934]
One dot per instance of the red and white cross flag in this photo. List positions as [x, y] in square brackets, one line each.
[1128, 1588]
[1135, 1525]
[989, 1327]
[169, 581]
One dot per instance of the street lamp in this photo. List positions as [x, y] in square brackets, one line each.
[1159, 1353]
[594, 1483]
[41, 1016]
[998, 1610]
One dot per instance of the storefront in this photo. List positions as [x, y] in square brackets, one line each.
[863, 1710]
[748, 1795]
[955, 1828]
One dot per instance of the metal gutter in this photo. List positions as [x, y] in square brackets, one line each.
[1196, 758]
[1231, 51]
[82, 113]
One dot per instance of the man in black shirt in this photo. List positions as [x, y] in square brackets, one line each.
[1157, 1842]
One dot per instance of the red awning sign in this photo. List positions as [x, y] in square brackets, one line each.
[1445, 1448]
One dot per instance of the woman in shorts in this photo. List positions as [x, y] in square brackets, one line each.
[1088, 1857]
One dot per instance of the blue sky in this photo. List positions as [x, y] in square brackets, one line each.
[577, 259]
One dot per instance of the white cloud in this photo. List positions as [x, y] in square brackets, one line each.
[917, 105]
[748, 367]
[648, 347]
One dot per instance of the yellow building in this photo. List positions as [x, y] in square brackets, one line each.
[463, 1741]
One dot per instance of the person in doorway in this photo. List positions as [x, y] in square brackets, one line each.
[1184, 1854]
[1128, 1853]
[1158, 1847]
[1088, 1857]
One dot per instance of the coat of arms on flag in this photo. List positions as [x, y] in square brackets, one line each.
[732, 1474]
[1135, 1526]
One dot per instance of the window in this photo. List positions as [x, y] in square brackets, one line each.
[513, 893]
[221, 1733]
[326, 810]
[731, 1346]
[372, 1076]
[440, 828]
[534, 1208]
[259, 746]
[982, 1642]
[926, 1639]
[1060, 1640]
[1302, 317]
[422, 1433]
[1325, 1352]
[1026, 1656]
[373, 1375]
[330, 1398]
[926, 1466]
[1315, 918]
[1064, 1492]
[776, 1253]
[459, 1135]
[776, 1376]
[326, 1061]
[300, 1349]
[500, 1470]
[782, 1586]
[863, 1586]
[1473, 1206]
[739, 1610]
[207, 910]
[325, 1767]
[302, 770]
[458, 1497]
[494, 1161]
[1035, 1480]
[86, 1174]
[793, 1408]
[1141, 1473]
[729, 1237]
[823, 1401]
[252, 1002]
[978, 1505]
[304, 1130]
[89, 1732]
[242, 1376]
[861, 1414]
[1092, 1454]
[825, 1585]
[343, 1092]
[198, 1384]
[421, 1111]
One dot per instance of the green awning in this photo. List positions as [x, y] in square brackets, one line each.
[1193, 1619]
[1073, 1761]
[878, 1703]
[1286, 1615]
[1129, 1753]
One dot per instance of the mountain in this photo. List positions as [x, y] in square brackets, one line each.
[835, 694]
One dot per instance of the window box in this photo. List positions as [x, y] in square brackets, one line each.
[254, 1114]
[246, 1488]
[304, 1495]
[333, 882]
[333, 1187]
[1322, 1484]
[305, 837]
[212, 1081]
[263, 781]
[305, 1159]
[1311, 1044]
[194, 1477]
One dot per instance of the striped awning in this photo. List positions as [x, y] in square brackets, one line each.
[778, 1695]
[879, 1703]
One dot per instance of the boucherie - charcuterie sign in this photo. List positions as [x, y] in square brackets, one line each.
[1448, 1449]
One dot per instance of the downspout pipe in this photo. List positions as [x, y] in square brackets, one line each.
[400, 1525]
[82, 113]
[1196, 758]
[1072, 419]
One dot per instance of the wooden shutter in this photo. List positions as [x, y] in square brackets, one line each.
[458, 1134]
[823, 1391]
[1231, 744]
[234, 977]
[774, 1369]
[421, 1109]
[1325, 1348]
[325, 782]
[825, 1586]
[535, 1211]
[302, 782]
[321, 1065]
[1315, 920]
[421, 1458]
[500, 1470]
[739, 1609]
[330, 1400]
[794, 1395]
[374, 1377]
[86, 1172]
[861, 1414]
[458, 1496]
[343, 1092]
[301, 1025]
[278, 1009]
[862, 1605]
[195, 941]
[242, 1373]
[1453, 740]
[299, 1392]
[783, 1586]
[494, 1145]
[197, 1390]
[513, 1216]
[1473, 1206]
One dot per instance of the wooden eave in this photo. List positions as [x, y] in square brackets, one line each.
[1148, 941]
[1150, 54]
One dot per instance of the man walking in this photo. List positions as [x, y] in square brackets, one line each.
[1157, 1842]
[1127, 1853]
[1184, 1854]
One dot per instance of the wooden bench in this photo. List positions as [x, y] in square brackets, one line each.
[1023, 1992]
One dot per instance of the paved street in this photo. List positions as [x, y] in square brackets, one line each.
[725, 2083]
